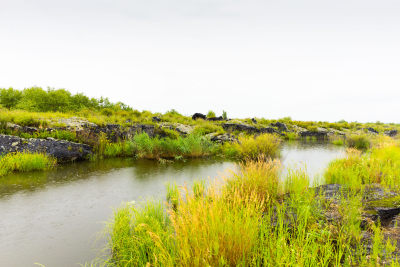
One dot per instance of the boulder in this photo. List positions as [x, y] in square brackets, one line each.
[372, 130]
[391, 133]
[199, 116]
[241, 127]
[156, 119]
[222, 138]
[254, 120]
[319, 133]
[281, 126]
[220, 118]
[63, 151]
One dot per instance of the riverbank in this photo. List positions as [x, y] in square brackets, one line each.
[31, 122]
[255, 218]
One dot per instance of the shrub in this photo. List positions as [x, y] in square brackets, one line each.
[361, 142]
[211, 114]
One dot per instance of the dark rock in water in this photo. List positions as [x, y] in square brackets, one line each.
[391, 133]
[320, 133]
[63, 151]
[254, 120]
[372, 130]
[156, 119]
[199, 116]
[215, 118]
[281, 126]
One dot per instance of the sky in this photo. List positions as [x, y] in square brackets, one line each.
[307, 59]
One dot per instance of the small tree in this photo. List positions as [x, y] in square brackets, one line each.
[10, 97]
[224, 116]
[211, 114]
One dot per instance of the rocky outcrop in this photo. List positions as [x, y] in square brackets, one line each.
[281, 126]
[199, 116]
[220, 118]
[319, 133]
[241, 127]
[156, 119]
[391, 133]
[113, 132]
[372, 130]
[63, 151]
[222, 138]
[180, 128]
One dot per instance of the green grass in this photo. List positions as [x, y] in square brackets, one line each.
[380, 165]
[361, 142]
[251, 148]
[143, 146]
[25, 162]
[253, 219]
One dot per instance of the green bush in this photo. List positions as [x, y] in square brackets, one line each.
[361, 142]
[211, 114]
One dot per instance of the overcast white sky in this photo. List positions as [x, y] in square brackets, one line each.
[311, 60]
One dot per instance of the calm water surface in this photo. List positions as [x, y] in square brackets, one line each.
[55, 218]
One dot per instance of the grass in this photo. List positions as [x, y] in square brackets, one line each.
[380, 165]
[361, 142]
[143, 146]
[253, 219]
[251, 148]
[25, 162]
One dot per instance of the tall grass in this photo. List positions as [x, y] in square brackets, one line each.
[361, 142]
[24, 162]
[251, 148]
[253, 219]
[380, 165]
[182, 147]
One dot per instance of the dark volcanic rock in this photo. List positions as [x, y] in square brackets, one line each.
[372, 130]
[239, 127]
[156, 119]
[281, 126]
[320, 133]
[391, 133]
[63, 151]
[254, 120]
[247, 128]
[222, 138]
[199, 116]
[215, 118]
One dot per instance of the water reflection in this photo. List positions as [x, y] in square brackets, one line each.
[53, 217]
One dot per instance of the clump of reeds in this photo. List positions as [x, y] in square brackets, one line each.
[251, 148]
[24, 162]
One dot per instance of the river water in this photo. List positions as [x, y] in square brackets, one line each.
[56, 218]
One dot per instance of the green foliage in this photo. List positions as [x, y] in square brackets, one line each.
[9, 97]
[24, 162]
[141, 237]
[154, 148]
[254, 219]
[206, 127]
[224, 115]
[361, 142]
[251, 148]
[211, 114]
[381, 165]
[52, 100]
